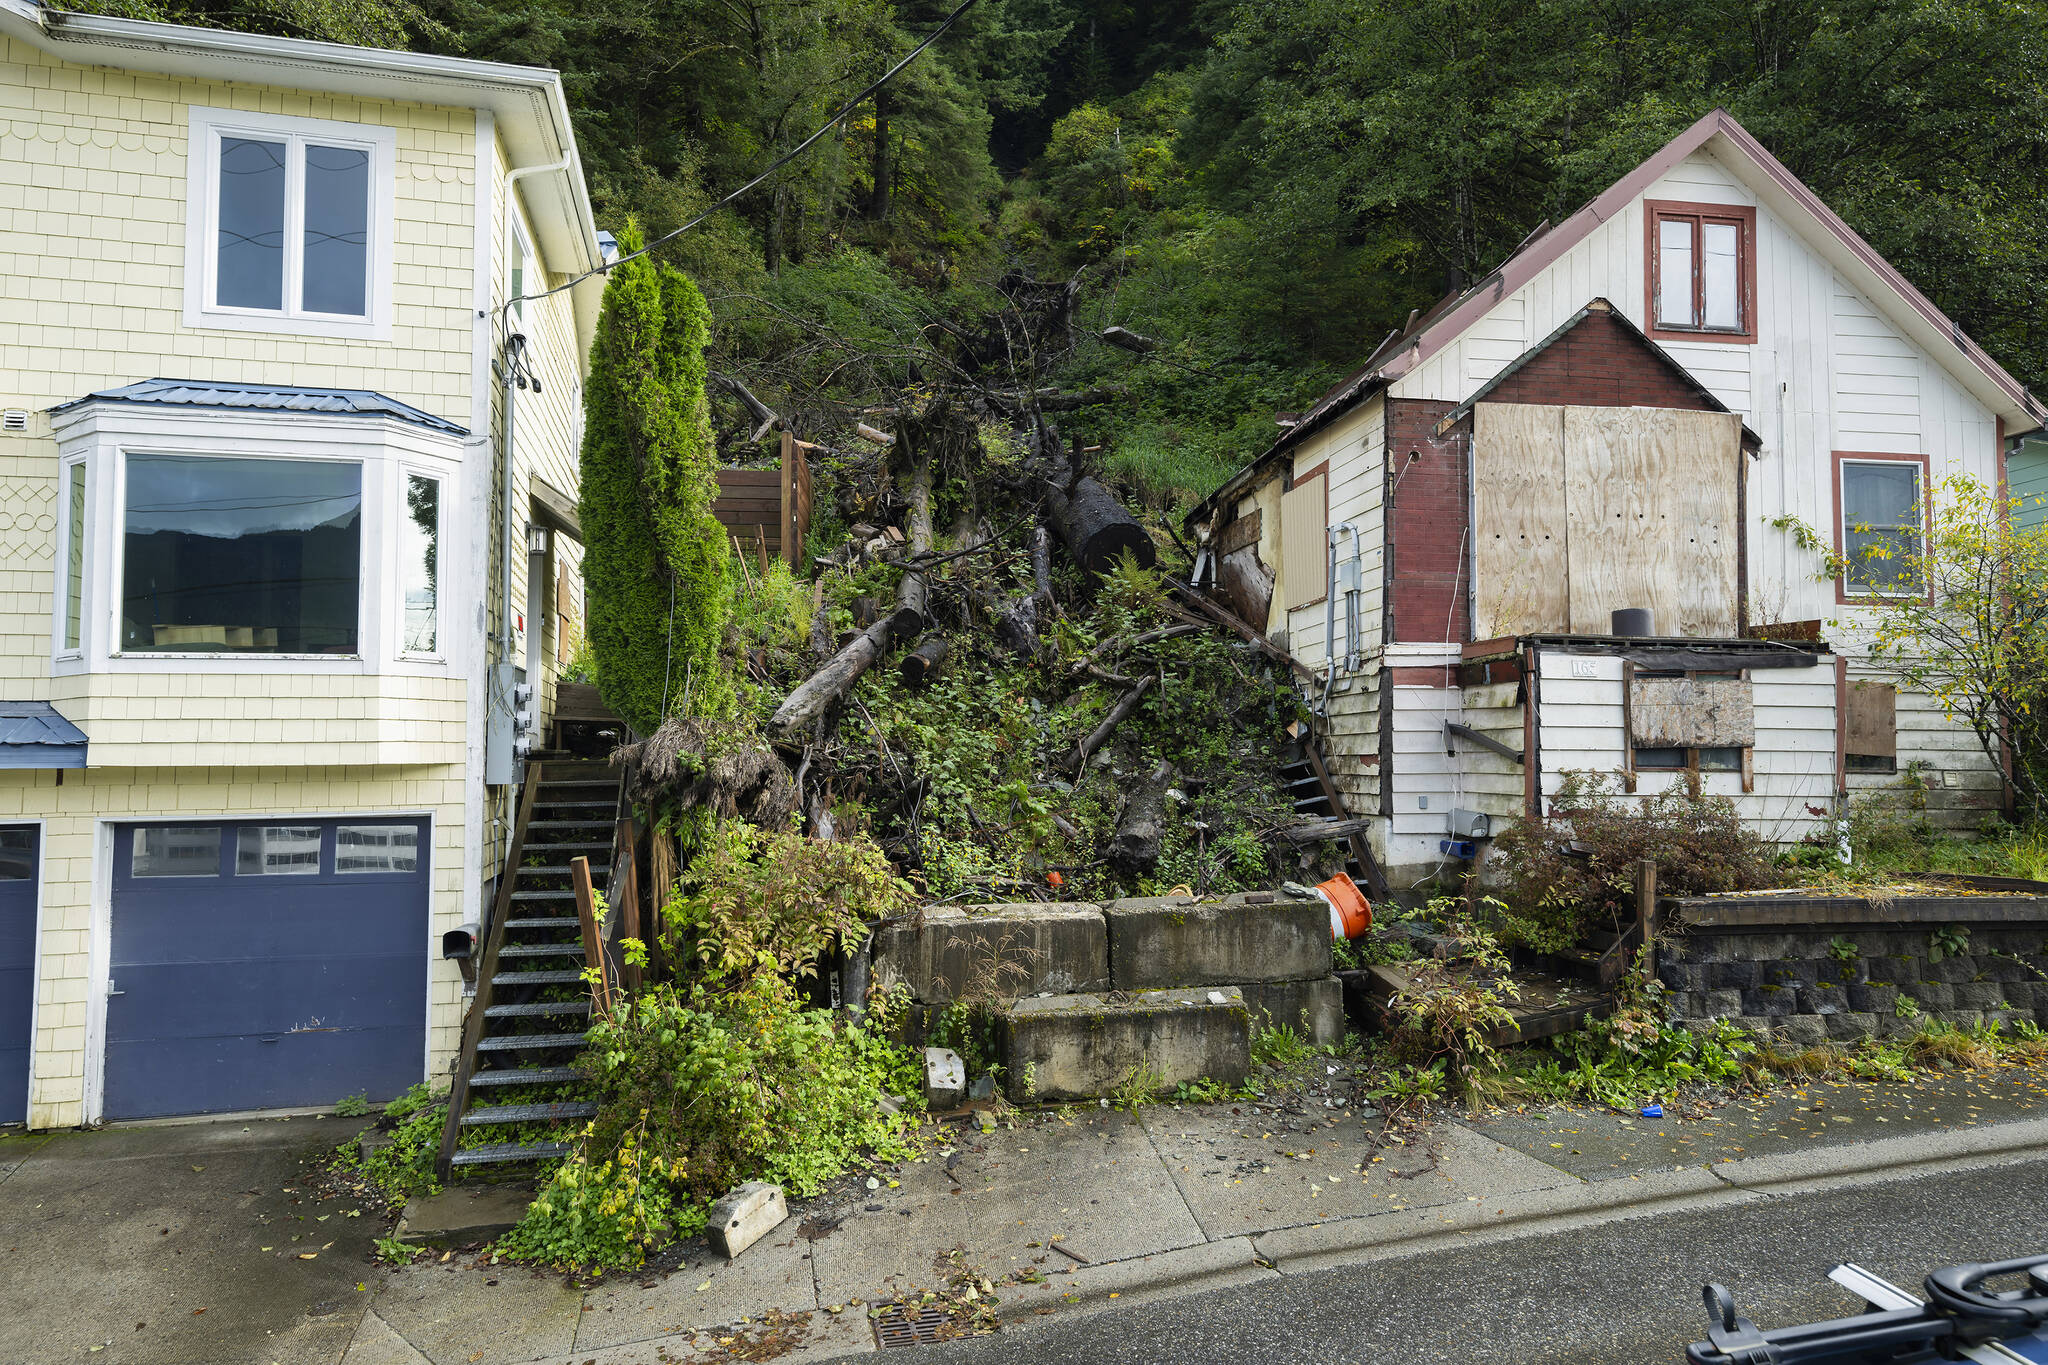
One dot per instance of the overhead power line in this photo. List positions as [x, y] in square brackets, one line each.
[792, 154]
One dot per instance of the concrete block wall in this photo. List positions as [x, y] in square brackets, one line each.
[1277, 949]
[1791, 984]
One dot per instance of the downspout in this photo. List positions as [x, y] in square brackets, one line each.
[511, 377]
[1330, 613]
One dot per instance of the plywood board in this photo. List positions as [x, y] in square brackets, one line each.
[1304, 542]
[1651, 499]
[1870, 726]
[1688, 713]
[1521, 560]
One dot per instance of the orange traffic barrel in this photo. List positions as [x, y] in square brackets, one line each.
[1350, 912]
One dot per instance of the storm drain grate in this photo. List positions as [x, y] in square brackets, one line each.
[896, 1327]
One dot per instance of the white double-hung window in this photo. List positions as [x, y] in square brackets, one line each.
[289, 224]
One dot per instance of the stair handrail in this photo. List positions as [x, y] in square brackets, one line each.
[487, 969]
[622, 888]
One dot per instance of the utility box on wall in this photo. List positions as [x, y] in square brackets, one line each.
[508, 726]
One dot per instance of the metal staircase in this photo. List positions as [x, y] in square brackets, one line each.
[513, 1078]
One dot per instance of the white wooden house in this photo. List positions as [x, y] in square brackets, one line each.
[1617, 418]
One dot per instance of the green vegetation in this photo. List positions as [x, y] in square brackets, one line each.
[725, 1074]
[404, 1166]
[1574, 869]
[658, 563]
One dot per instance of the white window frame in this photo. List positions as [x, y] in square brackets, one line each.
[202, 214]
[105, 434]
[1849, 587]
[72, 468]
[406, 472]
[521, 261]
[366, 490]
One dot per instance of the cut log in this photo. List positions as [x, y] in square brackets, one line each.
[1096, 528]
[1118, 713]
[1128, 340]
[922, 664]
[800, 711]
[1134, 849]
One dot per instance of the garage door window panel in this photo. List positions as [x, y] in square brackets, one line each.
[278, 851]
[176, 851]
[372, 850]
[234, 555]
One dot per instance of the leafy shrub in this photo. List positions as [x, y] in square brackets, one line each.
[700, 1090]
[404, 1167]
[604, 1215]
[1452, 1009]
[1574, 868]
[757, 896]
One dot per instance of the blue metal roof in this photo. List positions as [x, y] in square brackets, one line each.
[200, 393]
[33, 735]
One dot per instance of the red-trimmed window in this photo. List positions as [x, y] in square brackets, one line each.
[1880, 532]
[1700, 269]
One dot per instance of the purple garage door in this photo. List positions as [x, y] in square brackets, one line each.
[265, 965]
[18, 859]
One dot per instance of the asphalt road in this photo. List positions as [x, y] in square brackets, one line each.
[1625, 1293]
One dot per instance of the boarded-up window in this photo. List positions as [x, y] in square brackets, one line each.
[1304, 542]
[1579, 511]
[1870, 728]
[1691, 713]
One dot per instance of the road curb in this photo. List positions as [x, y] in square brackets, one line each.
[1569, 1204]
[1201, 1266]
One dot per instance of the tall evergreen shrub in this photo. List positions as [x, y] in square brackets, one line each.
[655, 567]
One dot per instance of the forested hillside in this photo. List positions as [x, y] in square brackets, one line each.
[1265, 188]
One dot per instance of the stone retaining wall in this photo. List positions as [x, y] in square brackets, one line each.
[1790, 983]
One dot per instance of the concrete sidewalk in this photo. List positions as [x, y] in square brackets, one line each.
[1067, 1212]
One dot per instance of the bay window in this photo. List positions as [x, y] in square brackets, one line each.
[237, 554]
[196, 540]
[1700, 271]
[419, 562]
[71, 593]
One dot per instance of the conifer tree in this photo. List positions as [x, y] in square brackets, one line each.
[656, 569]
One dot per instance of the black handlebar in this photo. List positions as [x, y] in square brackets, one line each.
[1961, 1313]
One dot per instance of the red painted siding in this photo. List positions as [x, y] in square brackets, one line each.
[1426, 523]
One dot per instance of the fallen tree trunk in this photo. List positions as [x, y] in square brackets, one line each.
[922, 664]
[766, 416]
[1134, 849]
[1096, 528]
[1117, 715]
[913, 594]
[803, 707]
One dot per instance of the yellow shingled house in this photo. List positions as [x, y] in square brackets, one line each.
[273, 588]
